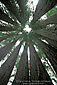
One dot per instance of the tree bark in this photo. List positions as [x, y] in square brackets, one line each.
[51, 42]
[6, 49]
[38, 72]
[22, 74]
[5, 37]
[50, 20]
[11, 6]
[16, 11]
[5, 28]
[6, 18]
[7, 67]
[43, 7]
[48, 33]
[50, 52]
[22, 6]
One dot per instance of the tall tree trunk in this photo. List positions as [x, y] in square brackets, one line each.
[50, 20]
[48, 33]
[38, 72]
[43, 7]
[6, 49]
[5, 28]
[22, 74]
[11, 6]
[6, 18]
[22, 6]
[51, 42]
[5, 37]
[7, 67]
[50, 52]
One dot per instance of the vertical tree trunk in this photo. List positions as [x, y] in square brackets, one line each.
[7, 67]
[22, 6]
[6, 18]
[22, 74]
[4, 50]
[50, 52]
[50, 20]
[5, 28]
[43, 7]
[5, 37]
[38, 72]
[11, 6]
[47, 33]
[51, 42]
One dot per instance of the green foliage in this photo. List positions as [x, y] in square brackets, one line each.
[1, 35]
[49, 13]
[17, 62]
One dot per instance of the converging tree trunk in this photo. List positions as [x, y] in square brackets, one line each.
[37, 70]
[50, 52]
[7, 67]
[22, 75]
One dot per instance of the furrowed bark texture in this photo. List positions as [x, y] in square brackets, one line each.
[22, 74]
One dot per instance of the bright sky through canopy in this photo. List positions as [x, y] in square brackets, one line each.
[27, 29]
[32, 7]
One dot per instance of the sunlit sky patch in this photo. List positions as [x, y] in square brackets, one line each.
[27, 29]
[32, 5]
